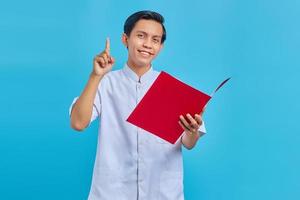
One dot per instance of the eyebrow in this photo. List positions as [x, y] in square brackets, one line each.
[159, 36]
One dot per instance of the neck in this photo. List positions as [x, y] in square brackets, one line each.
[140, 71]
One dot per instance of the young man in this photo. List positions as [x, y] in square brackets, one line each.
[130, 162]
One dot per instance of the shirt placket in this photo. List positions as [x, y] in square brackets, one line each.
[140, 141]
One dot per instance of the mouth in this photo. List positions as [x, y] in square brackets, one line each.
[145, 53]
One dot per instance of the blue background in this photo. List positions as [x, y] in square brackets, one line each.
[251, 150]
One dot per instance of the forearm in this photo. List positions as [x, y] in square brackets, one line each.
[189, 140]
[83, 108]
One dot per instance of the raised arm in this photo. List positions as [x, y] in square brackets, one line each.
[83, 108]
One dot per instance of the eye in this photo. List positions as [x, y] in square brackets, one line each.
[155, 40]
[140, 35]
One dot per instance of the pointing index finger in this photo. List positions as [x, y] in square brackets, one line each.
[107, 46]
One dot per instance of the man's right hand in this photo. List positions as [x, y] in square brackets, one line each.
[104, 61]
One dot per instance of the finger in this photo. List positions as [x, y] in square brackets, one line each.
[109, 59]
[112, 60]
[107, 46]
[100, 61]
[103, 62]
[187, 129]
[198, 118]
[97, 59]
[193, 122]
[183, 127]
[105, 57]
[184, 122]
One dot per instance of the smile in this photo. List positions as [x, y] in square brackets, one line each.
[146, 53]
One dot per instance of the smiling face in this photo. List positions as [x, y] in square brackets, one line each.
[144, 43]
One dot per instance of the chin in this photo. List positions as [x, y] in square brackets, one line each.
[143, 63]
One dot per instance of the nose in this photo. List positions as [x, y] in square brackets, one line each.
[147, 43]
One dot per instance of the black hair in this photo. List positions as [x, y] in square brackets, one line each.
[144, 14]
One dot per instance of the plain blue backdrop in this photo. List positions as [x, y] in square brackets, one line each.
[251, 150]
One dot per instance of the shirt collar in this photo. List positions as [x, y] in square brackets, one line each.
[132, 75]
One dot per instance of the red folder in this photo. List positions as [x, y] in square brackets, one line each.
[159, 110]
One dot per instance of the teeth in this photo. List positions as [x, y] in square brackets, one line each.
[144, 52]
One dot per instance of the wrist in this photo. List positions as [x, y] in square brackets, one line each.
[94, 75]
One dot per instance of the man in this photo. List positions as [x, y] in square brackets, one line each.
[130, 162]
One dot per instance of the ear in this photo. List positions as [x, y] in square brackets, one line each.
[124, 40]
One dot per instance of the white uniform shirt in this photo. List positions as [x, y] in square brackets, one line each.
[131, 163]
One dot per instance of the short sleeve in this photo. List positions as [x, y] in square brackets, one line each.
[96, 107]
[72, 104]
[202, 129]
